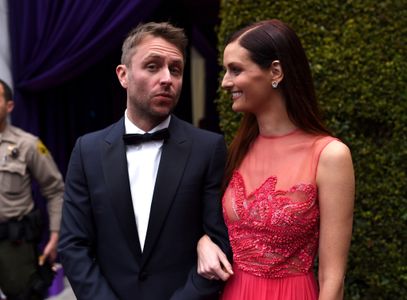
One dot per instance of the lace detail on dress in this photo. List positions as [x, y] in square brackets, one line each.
[273, 233]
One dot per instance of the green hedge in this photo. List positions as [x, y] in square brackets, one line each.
[357, 51]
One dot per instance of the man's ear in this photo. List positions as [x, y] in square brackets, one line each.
[276, 72]
[121, 72]
[10, 106]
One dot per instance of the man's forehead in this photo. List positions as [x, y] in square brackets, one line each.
[160, 55]
[152, 46]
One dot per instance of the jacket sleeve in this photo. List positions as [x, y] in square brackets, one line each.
[46, 173]
[77, 236]
[213, 222]
[197, 287]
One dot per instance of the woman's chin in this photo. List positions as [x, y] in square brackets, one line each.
[238, 108]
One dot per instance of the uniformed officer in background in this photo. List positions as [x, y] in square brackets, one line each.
[23, 157]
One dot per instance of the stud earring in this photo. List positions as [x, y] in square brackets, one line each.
[274, 84]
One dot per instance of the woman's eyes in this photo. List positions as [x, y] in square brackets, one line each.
[234, 70]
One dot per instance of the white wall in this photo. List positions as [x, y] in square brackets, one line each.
[5, 56]
[197, 86]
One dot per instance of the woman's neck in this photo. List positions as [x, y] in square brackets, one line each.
[274, 120]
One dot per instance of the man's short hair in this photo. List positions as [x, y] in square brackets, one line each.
[8, 94]
[165, 30]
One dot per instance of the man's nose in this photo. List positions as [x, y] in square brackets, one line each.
[165, 76]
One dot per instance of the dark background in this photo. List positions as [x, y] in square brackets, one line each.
[93, 99]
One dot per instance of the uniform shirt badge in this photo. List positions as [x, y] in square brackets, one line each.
[12, 151]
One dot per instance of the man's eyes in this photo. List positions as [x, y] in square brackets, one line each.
[152, 67]
[175, 71]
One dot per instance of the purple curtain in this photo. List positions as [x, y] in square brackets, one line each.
[52, 41]
[56, 46]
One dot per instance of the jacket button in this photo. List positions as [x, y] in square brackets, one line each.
[142, 276]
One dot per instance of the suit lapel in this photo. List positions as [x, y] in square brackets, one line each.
[116, 173]
[174, 157]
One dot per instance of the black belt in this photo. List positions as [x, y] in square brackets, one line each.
[29, 228]
[3, 231]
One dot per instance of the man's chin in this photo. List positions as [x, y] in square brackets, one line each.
[163, 111]
[161, 114]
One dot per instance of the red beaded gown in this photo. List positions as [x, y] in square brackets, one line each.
[271, 211]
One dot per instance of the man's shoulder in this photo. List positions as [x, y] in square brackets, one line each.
[101, 133]
[197, 133]
[20, 135]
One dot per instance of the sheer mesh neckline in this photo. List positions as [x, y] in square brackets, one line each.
[292, 132]
[273, 233]
[271, 205]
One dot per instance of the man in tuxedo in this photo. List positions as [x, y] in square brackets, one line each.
[140, 193]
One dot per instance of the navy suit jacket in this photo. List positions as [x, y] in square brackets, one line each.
[99, 246]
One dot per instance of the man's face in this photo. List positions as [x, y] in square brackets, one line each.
[153, 80]
[5, 108]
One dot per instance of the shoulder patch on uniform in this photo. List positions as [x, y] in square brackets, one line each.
[41, 148]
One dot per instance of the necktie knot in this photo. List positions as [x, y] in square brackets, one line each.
[137, 138]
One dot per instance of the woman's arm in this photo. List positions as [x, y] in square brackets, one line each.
[336, 189]
[212, 262]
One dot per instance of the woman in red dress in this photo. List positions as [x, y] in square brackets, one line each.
[289, 184]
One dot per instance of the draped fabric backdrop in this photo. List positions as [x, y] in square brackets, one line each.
[54, 42]
[64, 55]
[5, 59]
[58, 86]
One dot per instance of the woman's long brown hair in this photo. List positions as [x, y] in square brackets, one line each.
[267, 41]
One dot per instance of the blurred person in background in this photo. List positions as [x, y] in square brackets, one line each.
[24, 273]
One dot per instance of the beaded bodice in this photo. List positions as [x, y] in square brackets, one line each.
[271, 207]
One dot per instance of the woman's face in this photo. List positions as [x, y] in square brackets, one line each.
[249, 85]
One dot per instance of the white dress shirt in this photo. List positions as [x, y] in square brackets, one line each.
[142, 162]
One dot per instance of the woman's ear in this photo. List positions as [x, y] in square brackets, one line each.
[276, 73]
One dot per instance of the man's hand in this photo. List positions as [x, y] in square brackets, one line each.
[50, 250]
[212, 262]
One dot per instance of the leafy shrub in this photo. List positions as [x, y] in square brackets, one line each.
[357, 51]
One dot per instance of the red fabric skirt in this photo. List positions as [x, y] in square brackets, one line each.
[244, 286]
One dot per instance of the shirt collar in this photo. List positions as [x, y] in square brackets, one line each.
[130, 127]
[7, 135]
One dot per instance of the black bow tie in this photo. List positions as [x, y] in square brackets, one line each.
[137, 138]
